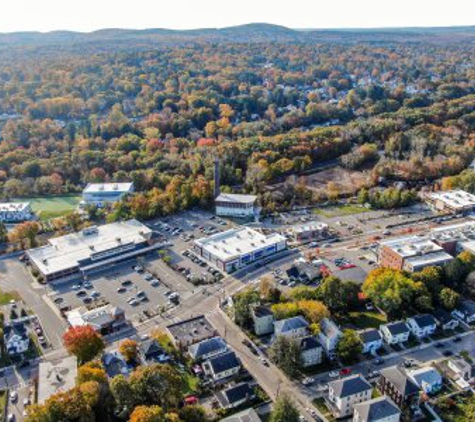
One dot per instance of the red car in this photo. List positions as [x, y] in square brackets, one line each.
[345, 371]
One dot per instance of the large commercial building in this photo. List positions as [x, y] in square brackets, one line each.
[14, 212]
[456, 237]
[92, 249]
[105, 319]
[453, 201]
[411, 253]
[236, 248]
[236, 205]
[102, 194]
[56, 376]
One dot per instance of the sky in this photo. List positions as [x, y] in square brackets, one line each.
[90, 15]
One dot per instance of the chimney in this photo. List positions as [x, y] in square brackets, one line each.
[216, 178]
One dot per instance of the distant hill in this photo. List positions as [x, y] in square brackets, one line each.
[253, 32]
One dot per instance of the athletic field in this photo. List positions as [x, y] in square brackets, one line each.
[46, 207]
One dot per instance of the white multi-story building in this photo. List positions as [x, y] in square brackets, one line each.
[381, 409]
[236, 205]
[236, 248]
[14, 212]
[395, 332]
[423, 325]
[453, 201]
[344, 394]
[102, 194]
[329, 336]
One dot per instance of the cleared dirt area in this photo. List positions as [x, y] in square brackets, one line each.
[346, 181]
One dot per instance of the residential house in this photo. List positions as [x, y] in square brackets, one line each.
[152, 352]
[461, 368]
[465, 311]
[311, 351]
[16, 339]
[395, 332]
[222, 366]
[115, 364]
[207, 349]
[233, 397]
[381, 409]
[329, 336]
[394, 383]
[248, 415]
[295, 327]
[428, 379]
[445, 320]
[372, 340]
[345, 393]
[423, 325]
[263, 319]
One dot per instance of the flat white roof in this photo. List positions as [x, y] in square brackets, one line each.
[56, 376]
[411, 245]
[307, 227]
[432, 259]
[457, 199]
[108, 187]
[236, 198]
[97, 317]
[455, 232]
[64, 252]
[13, 206]
[236, 242]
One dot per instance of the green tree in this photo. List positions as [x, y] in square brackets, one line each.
[193, 413]
[285, 353]
[349, 346]
[3, 233]
[242, 306]
[284, 411]
[449, 298]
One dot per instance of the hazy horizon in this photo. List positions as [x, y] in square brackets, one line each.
[89, 15]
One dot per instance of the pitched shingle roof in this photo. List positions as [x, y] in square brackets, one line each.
[206, 347]
[400, 381]
[309, 343]
[396, 328]
[424, 320]
[370, 335]
[349, 386]
[235, 394]
[376, 409]
[224, 362]
[290, 324]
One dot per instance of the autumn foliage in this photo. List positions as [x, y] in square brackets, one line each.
[83, 342]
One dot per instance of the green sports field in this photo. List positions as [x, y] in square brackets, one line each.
[46, 207]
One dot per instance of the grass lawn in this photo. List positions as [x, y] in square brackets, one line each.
[364, 319]
[191, 382]
[341, 210]
[46, 207]
[320, 405]
[455, 408]
[6, 297]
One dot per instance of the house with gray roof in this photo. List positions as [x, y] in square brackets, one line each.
[345, 393]
[422, 325]
[445, 320]
[395, 332]
[381, 409]
[465, 311]
[235, 396]
[295, 327]
[372, 340]
[207, 349]
[248, 415]
[222, 366]
[395, 383]
[311, 351]
[263, 320]
[329, 336]
[428, 379]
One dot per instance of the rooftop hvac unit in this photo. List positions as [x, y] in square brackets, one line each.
[101, 187]
[115, 187]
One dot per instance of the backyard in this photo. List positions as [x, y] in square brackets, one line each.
[7, 297]
[459, 408]
[52, 206]
[363, 319]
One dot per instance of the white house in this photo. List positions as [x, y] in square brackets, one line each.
[16, 339]
[465, 311]
[208, 348]
[102, 194]
[381, 409]
[329, 336]
[423, 325]
[445, 320]
[372, 340]
[263, 319]
[222, 366]
[345, 393]
[427, 379]
[296, 327]
[311, 351]
[395, 332]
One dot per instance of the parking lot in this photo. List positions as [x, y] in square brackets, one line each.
[148, 286]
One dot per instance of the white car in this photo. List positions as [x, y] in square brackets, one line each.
[308, 381]
[13, 396]
[333, 374]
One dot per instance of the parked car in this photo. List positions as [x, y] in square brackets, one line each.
[13, 396]
[333, 374]
[345, 371]
[121, 289]
[127, 283]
